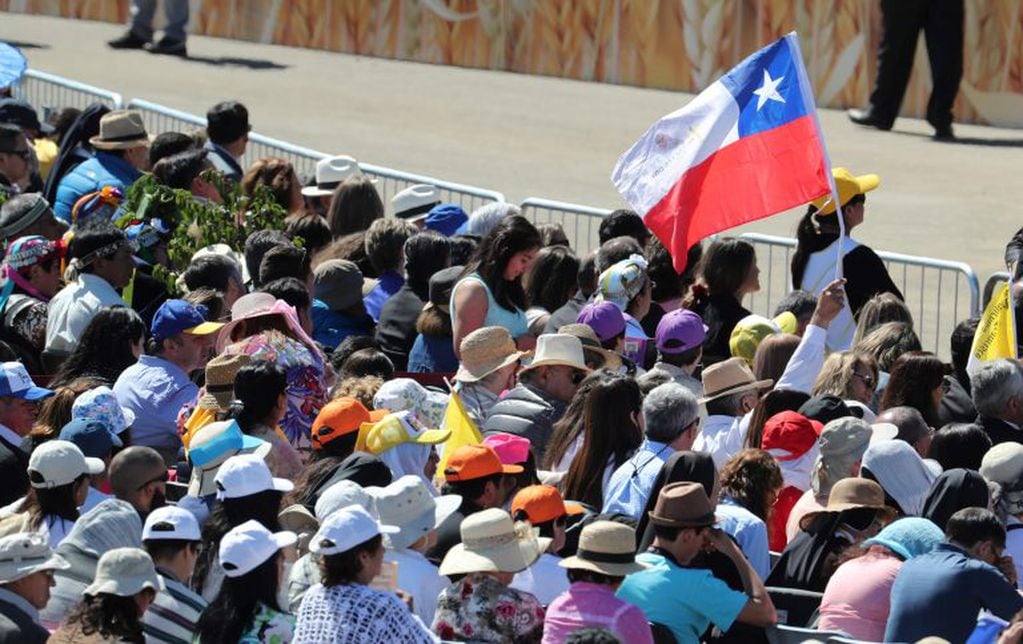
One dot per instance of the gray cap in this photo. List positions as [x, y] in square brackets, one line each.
[338, 284]
[844, 436]
[20, 212]
[24, 554]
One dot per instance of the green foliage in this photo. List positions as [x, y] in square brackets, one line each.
[196, 223]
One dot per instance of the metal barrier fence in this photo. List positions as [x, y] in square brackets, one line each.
[48, 93]
[581, 223]
[939, 293]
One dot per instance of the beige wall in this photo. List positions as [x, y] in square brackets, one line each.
[674, 44]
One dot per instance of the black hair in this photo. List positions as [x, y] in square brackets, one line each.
[665, 533]
[462, 248]
[105, 348]
[231, 612]
[959, 445]
[615, 250]
[552, 233]
[368, 362]
[258, 385]
[344, 567]
[970, 526]
[546, 529]
[212, 299]
[41, 502]
[665, 282]
[284, 260]
[586, 277]
[725, 405]
[92, 237]
[9, 134]
[160, 549]
[427, 253]
[257, 244]
[799, 303]
[812, 234]
[385, 239]
[179, 170]
[623, 223]
[577, 574]
[553, 279]
[961, 342]
[226, 122]
[112, 617]
[592, 635]
[290, 289]
[723, 270]
[511, 235]
[230, 513]
[473, 488]
[348, 346]
[168, 144]
[311, 228]
[211, 271]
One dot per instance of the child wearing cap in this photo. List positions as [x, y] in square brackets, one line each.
[543, 507]
[246, 608]
[171, 537]
[344, 608]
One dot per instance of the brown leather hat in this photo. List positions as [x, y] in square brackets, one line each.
[683, 505]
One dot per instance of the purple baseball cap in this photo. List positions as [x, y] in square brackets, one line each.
[605, 318]
[679, 331]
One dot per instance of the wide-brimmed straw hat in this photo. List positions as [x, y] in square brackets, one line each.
[730, 377]
[486, 350]
[492, 542]
[607, 548]
[591, 345]
[120, 130]
[849, 494]
[330, 172]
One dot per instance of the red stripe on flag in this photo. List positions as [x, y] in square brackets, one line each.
[757, 176]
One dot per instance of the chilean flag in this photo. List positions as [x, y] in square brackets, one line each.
[745, 148]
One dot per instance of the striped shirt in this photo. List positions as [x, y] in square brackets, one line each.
[174, 614]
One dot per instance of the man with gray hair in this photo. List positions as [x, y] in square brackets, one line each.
[997, 389]
[671, 416]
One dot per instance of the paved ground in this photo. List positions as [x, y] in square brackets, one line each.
[531, 136]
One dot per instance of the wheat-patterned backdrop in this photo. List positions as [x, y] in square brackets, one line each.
[669, 44]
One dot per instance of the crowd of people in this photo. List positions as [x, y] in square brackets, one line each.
[266, 455]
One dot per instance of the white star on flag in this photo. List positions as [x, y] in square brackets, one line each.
[768, 91]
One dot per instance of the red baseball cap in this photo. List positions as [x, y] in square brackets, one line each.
[789, 435]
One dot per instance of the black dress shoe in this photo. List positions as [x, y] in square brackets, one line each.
[128, 41]
[944, 134]
[866, 117]
[168, 47]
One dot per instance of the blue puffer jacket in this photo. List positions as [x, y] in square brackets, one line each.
[104, 169]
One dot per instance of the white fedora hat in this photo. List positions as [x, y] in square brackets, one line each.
[558, 349]
[415, 202]
[330, 172]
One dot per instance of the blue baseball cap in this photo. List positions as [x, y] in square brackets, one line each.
[446, 218]
[16, 383]
[178, 316]
[94, 438]
[217, 441]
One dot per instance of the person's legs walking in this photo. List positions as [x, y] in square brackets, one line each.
[943, 30]
[173, 41]
[140, 31]
[902, 21]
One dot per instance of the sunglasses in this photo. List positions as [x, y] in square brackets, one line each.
[158, 479]
[867, 379]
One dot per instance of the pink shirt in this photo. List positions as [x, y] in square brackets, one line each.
[857, 598]
[804, 506]
[586, 605]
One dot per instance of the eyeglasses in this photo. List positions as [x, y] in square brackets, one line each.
[867, 379]
[162, 478]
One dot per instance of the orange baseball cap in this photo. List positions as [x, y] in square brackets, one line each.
[543, 503]
[340, 417]
[470, 462]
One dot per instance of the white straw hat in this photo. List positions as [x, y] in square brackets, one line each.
[57, 462]
[330, 172]
[415, 202]
[408, 504]
[124, 572]
[247, 546]
[486, 350]
[491, 542]
[558, 349]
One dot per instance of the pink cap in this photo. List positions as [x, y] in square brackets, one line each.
[511, 449]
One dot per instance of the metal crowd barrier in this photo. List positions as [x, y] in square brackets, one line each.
[390, 182]
[49, 93]
[581, 223]
[939, 293]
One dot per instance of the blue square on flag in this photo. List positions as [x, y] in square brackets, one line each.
[766, 87]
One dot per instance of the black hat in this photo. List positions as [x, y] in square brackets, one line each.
[441, 284]
[826, 408]
[20, 113]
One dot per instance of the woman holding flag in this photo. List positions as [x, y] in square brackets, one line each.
[819, 246]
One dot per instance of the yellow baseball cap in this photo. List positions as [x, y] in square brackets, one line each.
[848, 186]
[402, 427]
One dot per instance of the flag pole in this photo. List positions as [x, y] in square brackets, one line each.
[797, 55]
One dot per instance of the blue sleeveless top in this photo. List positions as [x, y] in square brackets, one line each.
[497, 315]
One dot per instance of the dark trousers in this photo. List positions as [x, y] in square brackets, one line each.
[942, 24]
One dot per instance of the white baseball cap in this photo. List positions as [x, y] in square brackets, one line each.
[345, 529]
[171, 522]
[57, 462]
[245, 475]
[246, 547]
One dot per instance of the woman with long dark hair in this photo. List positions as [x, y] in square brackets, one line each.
[550, 283]
[612, 430]
[111, 343]
[354, 205]
[112, 607]
[727, 273]
[246, 609]
[917, 380]
[771, 403]
[818, 249]
[567, 436]
[262, 389]
[74, 147]
[490, 292]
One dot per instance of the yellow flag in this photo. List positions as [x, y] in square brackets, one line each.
[463, 431]
[996, 333]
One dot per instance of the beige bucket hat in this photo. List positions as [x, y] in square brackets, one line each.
[491, 542]
[120, 130]
[606, 547]
[484, 351]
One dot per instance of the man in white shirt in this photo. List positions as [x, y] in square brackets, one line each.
[100, 261]
[731, 392]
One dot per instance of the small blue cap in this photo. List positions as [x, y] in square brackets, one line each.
[446, 218]
[94, 438]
